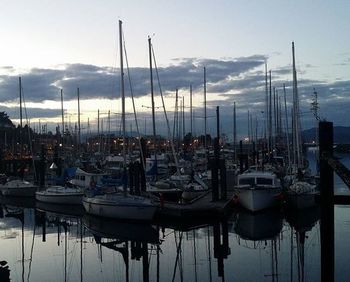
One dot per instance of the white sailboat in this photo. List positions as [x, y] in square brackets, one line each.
[299, 193]
[60, 195]
[18, 188]
[117, 205]
[121, 205]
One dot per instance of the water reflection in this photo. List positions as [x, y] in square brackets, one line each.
[301, 223]
[61, 243]
[264, 225]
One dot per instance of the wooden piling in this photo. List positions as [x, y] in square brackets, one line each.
[42, 166]
[223, 183]
[327, 202]
[240, 156]
[137, 178]
[214, 179]
[131, 178]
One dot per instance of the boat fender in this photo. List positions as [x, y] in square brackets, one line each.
[235, 199]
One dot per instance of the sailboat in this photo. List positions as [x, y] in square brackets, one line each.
[19, 187]
[121, 205]
[299, 193]
[58, 194]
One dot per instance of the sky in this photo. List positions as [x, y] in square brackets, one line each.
[66, 44]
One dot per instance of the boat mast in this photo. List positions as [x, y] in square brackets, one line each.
[79, 136]
[98, 130]
[109, 132]
[122, 96]
[287, 130]
[191, 113]
[234, 130]
[266, 106]
[175, 118]
[270, 116]
[183, 118]
[20, 115]
[248, 128]
[152, 97]
[274, 116]
[152, 91]
[62, 116]
[296, 113]
[205, 109]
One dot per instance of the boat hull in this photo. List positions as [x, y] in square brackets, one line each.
[62, 210]
[258, 199]
[19, 192]
[72, 199]
[114, 209]
[18, 188]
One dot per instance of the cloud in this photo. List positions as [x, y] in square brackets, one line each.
[104, 82]
[229, 80]
[32, 113]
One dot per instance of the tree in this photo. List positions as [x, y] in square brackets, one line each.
[5, 120]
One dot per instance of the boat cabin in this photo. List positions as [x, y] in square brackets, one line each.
[85, 179]
[258, 179]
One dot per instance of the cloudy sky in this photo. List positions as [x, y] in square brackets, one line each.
[67, 44]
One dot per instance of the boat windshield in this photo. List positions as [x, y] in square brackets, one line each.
[264, 181]
[247, 181]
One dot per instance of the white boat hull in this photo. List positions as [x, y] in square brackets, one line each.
[103, 207]
[60, 195]
[258, 199]
[75, 199]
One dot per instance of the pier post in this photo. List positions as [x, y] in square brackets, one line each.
[137, 176]
[142, 179]
[42, 166]
[131, 178]
[223, 183]
[2, 170]
[327, 202]
[240, 156]
[254, 154]
[214, 179]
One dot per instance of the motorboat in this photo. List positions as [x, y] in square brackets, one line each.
[258, 190]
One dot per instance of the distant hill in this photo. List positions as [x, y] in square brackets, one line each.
[341, 134]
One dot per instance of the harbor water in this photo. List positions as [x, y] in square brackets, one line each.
[51, 243]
